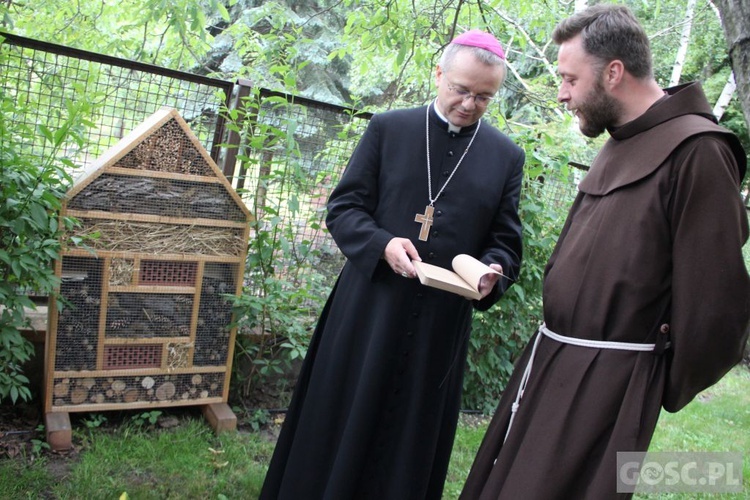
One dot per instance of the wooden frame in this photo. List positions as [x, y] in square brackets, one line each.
[183, 360]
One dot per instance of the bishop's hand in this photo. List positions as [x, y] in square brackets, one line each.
[488, 281]
[399, 252]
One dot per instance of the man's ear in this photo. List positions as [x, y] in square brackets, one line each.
[615, 71]
[438, 74]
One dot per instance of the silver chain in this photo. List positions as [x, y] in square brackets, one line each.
[429, 170]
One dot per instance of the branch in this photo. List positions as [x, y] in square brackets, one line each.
[542, 57]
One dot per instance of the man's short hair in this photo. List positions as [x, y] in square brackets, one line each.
[609, 32]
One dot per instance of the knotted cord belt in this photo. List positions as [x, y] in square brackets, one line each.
[596, 344]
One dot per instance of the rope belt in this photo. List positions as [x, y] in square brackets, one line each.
[596, 344]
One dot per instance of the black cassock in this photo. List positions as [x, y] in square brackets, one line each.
[375, 408]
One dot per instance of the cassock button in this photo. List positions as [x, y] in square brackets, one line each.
[431, 255]
[450, 153]
[439, 213]
[446, 173]
[435, 233]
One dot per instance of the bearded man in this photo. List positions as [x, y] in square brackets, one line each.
[646, 295]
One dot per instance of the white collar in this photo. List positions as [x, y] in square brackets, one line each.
[451, 127]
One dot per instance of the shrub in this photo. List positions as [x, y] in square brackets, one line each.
[30, 232]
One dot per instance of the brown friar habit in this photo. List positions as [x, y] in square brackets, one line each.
[653, 238]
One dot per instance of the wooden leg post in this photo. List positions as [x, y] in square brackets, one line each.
[59, 433]
[220, 417]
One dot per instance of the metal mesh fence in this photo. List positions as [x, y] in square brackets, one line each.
[44, 77]
[295, 151]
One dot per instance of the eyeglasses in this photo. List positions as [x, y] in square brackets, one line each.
[479, 99]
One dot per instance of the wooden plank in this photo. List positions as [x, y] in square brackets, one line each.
[156, 219]
[239, 278]
[156, 174]
[140, 372]
[79, 252]
[153, 289]
[196, 309]
[103, 315]
[125, 341]
[51, 343]
[133, 406]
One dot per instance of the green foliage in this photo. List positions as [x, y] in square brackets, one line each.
[94, 420]
[500, 334]
[30, 229]
[258, 419]
[172, 33]
[147, 418]
[285, 272]
[38, 446]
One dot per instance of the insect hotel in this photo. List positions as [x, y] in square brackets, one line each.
[143, 321]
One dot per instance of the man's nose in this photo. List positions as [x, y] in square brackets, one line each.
[469, 102]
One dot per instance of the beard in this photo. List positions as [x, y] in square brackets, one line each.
[599, 112]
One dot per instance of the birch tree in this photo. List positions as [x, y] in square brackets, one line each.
[725, 97]
[684, 43]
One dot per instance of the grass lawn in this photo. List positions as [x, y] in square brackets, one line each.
[143, 461]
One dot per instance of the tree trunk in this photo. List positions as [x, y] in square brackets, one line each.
[725, 97]
[684, 42]
[735, 16]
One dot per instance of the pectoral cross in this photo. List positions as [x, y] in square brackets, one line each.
[426, 220]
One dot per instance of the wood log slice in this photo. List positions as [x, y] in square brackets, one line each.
[147, 382]
[165, 391]
[60, 390]
[78, 395]
[131, 395]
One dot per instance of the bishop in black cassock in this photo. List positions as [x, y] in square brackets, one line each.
[375, 408]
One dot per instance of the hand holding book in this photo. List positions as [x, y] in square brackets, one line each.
[463, 280]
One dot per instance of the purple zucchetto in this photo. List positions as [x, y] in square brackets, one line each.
[477, 38]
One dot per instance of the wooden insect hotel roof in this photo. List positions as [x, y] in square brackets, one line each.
[146, 321]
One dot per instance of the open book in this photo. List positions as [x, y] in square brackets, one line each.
[464, 281]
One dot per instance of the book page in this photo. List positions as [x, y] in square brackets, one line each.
[437, 277]
[471, 269]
